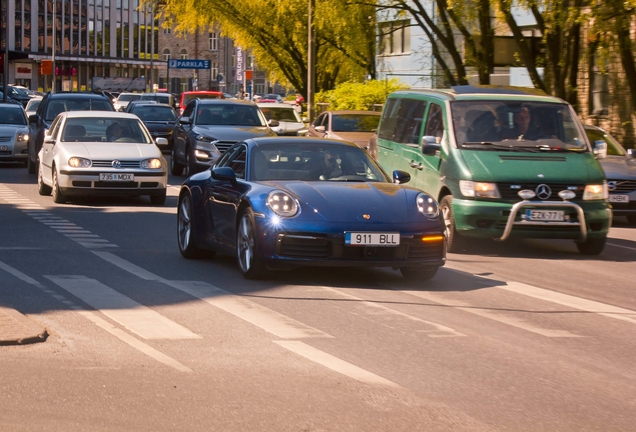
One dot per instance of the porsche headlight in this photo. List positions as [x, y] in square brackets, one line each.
[478, 189]
[596, 192]
[153, 163]
[427, 205]
[22, 137]
[78, 162]
[282, 204]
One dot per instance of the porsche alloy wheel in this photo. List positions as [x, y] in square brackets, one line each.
[185, 231]
[246, 249]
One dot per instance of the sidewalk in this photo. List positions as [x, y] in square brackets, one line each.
[17, 329]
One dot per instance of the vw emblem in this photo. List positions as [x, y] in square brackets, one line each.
[116, 164]
[543, 191]
[611, 185]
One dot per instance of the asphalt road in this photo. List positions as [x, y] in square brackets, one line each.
[515, 336]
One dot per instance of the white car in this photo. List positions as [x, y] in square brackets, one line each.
[289, 122]
[124, 99]
[14, 133]
[99, 153]
[32, 105]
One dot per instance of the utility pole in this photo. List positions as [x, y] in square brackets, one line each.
[5, 72]
[152, 48]
[311, 60]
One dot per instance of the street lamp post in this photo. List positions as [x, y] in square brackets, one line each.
[53, 47]
[5, 71]
[311, 59]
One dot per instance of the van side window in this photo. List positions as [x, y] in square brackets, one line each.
[435, 122]
[402, 121]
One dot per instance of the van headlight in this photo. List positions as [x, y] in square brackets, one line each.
[596, 192]
[282, 203]
[479, 189]
[427, 205]
[153, 163]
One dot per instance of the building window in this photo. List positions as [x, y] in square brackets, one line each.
[214, 41]
[394, 37]
[167, 30]
[600, 92]
[166, 54]
[214, 70]
[184, 54]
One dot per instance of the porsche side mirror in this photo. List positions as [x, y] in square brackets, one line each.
[224, 174]
[401, 177]
[600, 149]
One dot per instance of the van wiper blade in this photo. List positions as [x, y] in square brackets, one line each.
[486, 145]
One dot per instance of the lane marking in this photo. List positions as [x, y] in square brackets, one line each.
[92, 316]
[508, 320]
[621, 246]
[440, 330]
[134, 316]
[335, 364]
[140, 346]
[264, 318]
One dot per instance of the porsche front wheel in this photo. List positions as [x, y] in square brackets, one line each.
[246, 247]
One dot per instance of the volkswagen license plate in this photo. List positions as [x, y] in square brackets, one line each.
[116, 177]
[619, 198]
[545, 215]
[372, 239]
[4, 148]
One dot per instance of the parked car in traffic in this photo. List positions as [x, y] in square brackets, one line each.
[32, 105]
[620, 171]
[209, 127]
[502, 162]
[271, 98]
[186, 97]
[18, 94]
[124, 99]
[160, 119]
[14, 133]
[10, 100]
[162, 98]
[289, 121]
[355, 126]
[290, 202]
[53, 104]
[90, 153]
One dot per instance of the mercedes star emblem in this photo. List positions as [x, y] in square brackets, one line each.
[543, 191]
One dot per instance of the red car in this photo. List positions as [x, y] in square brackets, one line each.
[199, 94]
[299, 99]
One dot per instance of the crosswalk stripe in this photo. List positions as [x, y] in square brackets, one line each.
[134, 316]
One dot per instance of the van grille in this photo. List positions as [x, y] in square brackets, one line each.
[509, 191]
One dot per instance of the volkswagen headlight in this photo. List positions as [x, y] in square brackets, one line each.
[78, 162]
[478, 189]
[153, 163]
[596, 192]
[282, 204]
[427, 205]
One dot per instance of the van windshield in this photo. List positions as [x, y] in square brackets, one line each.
[517, 126]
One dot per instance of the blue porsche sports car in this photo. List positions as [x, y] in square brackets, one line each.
[289, 202]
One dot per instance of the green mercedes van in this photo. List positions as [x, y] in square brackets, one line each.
[503, 162]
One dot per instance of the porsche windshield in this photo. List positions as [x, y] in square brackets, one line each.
[314, 162]
[516, 126]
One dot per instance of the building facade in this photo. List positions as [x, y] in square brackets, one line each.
[85, 39]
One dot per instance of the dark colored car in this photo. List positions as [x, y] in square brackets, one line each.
[292, 202]
[10, 100]
[209, 127]
[620, 170]
[17, 94]
[53, 104]
[160, 119]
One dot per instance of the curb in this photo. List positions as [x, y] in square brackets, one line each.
[18, 329]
